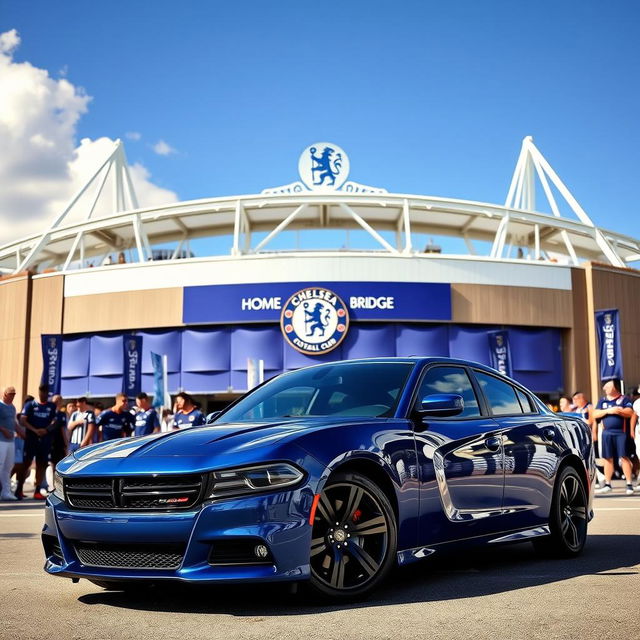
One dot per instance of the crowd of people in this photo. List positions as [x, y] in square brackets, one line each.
[45, 430]
[615, 430]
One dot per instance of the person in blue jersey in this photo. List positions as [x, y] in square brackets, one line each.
[39, 420]
[186, 412]
[145, 416]
[615, 412]
[18, 468]
[81, 425]
[60, 442]
[116, 422]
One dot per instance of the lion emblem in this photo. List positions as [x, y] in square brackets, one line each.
[325, 166]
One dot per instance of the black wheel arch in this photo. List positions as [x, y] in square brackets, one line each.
[572, 460]
[375, 472]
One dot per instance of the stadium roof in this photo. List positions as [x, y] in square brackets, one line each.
[74, 241]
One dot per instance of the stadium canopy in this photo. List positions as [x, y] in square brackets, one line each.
[82, 235]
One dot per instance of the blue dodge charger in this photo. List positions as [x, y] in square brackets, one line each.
[330, 475]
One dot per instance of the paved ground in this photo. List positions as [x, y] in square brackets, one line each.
[498, 593]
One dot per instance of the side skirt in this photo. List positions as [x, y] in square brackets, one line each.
[409, 556]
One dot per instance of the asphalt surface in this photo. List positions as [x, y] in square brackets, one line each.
[505, 592]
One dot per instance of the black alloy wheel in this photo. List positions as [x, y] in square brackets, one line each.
[568, 517]
[354, 537]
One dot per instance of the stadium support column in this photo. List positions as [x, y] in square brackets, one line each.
[15, 314]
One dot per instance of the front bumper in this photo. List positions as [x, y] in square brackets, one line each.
[279, 520]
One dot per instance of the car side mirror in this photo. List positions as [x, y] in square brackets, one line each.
[441, 405]
[212, 416]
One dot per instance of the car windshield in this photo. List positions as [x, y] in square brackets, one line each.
[357, 389]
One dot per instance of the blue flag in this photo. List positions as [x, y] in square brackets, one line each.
[159, 381]
[608, 330]
[51, 360]
[132, 375]
[499, 352]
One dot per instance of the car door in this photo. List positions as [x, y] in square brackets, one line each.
[460, 460]
[531, 451]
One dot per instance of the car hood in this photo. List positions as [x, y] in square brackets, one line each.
[195, 449]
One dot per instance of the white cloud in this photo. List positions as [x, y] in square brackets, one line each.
[162, 148]
[41, 164]
[9, 40]
[133, 135]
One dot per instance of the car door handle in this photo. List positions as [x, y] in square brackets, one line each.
[549, 434]
[493, 444]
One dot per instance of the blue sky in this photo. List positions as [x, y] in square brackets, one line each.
[426, 97]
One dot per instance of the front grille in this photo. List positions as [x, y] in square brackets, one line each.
[165, 493]
[130, 556]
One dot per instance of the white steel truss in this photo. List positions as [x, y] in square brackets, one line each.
[66, 245]
[522, 196]
[124, 198]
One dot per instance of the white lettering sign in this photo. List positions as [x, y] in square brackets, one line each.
[370, 302]
[53, 360]
[609, 343]
[259, 304]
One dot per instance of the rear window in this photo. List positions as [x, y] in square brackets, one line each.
[500, 395]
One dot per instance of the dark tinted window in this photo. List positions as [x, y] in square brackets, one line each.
[450, 380]
[367, 389]
[500, 395]
[525, 403]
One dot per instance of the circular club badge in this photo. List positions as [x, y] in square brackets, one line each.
[323, 166]
[314, 321]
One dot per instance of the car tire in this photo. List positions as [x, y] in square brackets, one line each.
[354, 538]
[567, 518]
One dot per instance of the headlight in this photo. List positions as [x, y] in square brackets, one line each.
[57, 486]
[250, 480]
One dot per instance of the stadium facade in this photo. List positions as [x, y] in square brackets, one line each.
[539, 276]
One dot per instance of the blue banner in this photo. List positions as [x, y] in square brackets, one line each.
[132, 372]
[499, 353]
[608, 330]
[264, 302]
[158, 380]
[51, 362]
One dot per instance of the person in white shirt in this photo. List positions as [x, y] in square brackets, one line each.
[81, 426]
[9, 427]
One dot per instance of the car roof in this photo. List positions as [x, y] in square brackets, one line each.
[422, 360]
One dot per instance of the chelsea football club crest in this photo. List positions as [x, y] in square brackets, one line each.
[314, 320]
[323, 166]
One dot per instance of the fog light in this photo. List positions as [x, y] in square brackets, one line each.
[261, 551]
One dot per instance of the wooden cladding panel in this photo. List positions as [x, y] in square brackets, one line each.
[14, 308]
[14, 331]
[144, 309]
[616, 289]
[494, 304]
[576, 343]
[47, 303]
